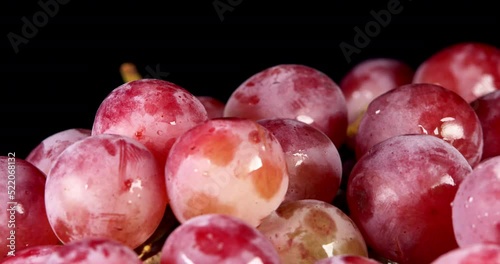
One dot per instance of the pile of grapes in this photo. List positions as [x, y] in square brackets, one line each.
[390, 166]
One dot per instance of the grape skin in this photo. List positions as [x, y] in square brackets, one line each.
[154, 112]
[474, 254]
[93, 251]
[214, 107]
[30, 223]
[476, 207]
[399, 195]
[470, 69]
[33, 255]
[44, 155]
[292, 91]
[487, 109]
[371, 78]
[422, 109]
[107, 186]
[347, 259]
[217, 239]
[313, 161]
[231, 166]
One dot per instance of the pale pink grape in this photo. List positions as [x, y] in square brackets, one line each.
[94, 251]
[154, 112]
[32, 255]
[217, 239]
[108, 186]
[44, 155]
[229, 166]
[476, 207]
[474, 254]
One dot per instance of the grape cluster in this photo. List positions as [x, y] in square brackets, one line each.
[394, 165]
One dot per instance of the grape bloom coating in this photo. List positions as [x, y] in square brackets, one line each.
[23, 218]
[106, 186]
[228, 166]
[292, 91]
[153, 112]
[44, 155]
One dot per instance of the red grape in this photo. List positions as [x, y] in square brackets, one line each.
[309, 230]
[487, 109]
[292, 91]
[44, 155]
[92, 251]
[399, 195]
[214, 107]
[33, 255]
[230, 166]
[107, 186]
[422, 109]
[217, 239]
[313, 161]
[154, 112]
[347, 259]
[469, 69]
[22, 210]
[474, 254]
[371, 78]
[476, 207]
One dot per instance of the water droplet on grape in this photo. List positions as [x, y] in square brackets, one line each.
[86, 186]
[470, 199]
[159, 132]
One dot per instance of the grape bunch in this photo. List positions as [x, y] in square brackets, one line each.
[394, 165]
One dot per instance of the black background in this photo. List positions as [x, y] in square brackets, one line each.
[57, 80]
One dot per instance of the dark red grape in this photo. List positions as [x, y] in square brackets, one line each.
[470, 69]
[488, 111]
[313, 161]
[422, 109]
[23, 218]
[399, 195]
